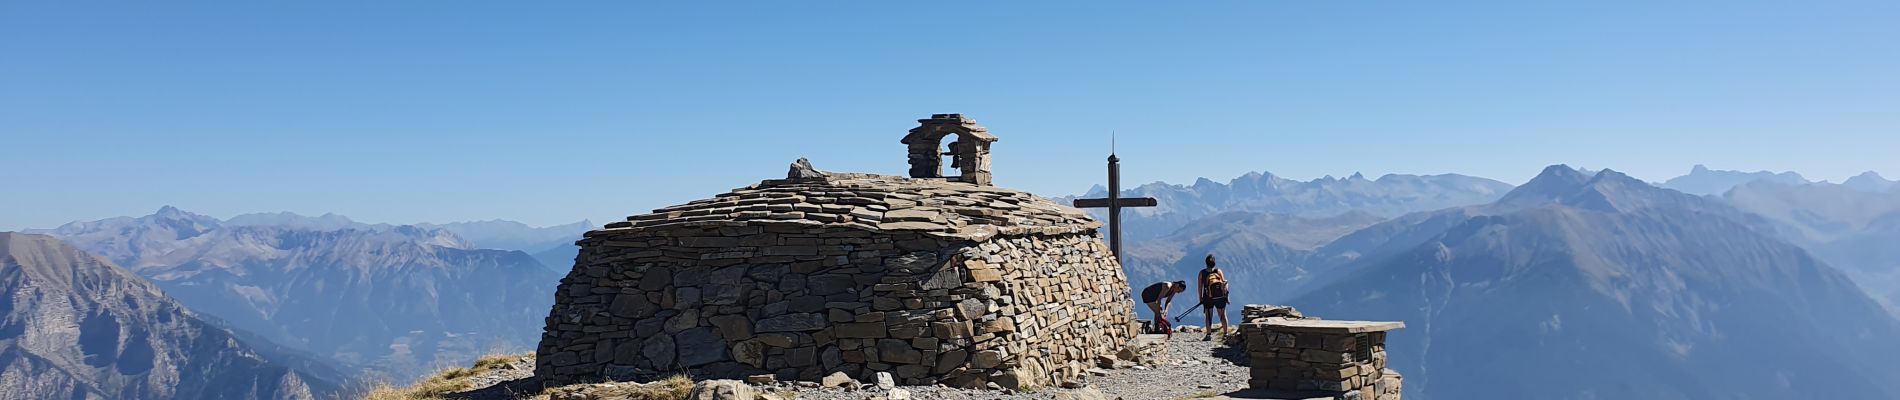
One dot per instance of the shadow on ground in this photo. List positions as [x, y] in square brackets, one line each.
[508, 390]
[1234, 352]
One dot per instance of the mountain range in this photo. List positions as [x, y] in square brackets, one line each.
[78, 327]
[400, 299]
[552, 246]
[1871, 181]
[1703, 181]
[1853, 229]
[1853, 225]
[1578, 286]
[511, 235]
[1268, 255]
[1575, 285]
[1260, 192]
[491, 234]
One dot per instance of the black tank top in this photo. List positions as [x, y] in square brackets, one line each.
[1153, 292]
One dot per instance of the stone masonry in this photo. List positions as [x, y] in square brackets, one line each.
[969, 154]
[1292, 353]
[933, 280]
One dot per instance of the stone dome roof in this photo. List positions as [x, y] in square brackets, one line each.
[877, 203]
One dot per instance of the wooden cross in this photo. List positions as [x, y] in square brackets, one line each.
[1114, 204]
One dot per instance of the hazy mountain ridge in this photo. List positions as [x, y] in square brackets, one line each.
[559, 258]
[511, 235]
[1601, 286]
[552, 246]
[1388, 196]
[402, 298]
[1871, 181]
[1604, 190]
[489, 234]
[325, 222]
[77, 326]
[1855, 230]
[1267, 255]
[1703, 181]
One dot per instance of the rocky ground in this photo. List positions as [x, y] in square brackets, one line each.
[494, 380]
[1195, 369]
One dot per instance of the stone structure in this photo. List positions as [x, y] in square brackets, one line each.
[970, 153]
[930, 280]
[1339, 359]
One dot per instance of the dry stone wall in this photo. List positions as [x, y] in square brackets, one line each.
[1340, 359]
[931, 281]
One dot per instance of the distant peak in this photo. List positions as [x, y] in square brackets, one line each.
[1357, 176]
[1256, 175]
[1562, 173]
[169, 212]
[1608, 176]
[1611, 174]
[1698, 168]
[1554, 182]
[1871, 181]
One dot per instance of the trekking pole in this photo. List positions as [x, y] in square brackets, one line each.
[1190, 310]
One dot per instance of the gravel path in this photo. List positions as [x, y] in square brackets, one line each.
[1195, 369]
[514, 380]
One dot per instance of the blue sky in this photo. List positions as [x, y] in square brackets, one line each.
[551, 112]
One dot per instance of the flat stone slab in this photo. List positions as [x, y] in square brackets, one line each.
[1332, 326]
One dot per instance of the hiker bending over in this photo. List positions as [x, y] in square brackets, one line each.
[1160, 300]
[1213, 297]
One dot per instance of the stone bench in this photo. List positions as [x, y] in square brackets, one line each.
[1320, 358]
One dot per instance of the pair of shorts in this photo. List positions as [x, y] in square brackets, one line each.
[1211, 303]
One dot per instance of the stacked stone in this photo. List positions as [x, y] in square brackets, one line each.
[1149, 350]
[874, 203]
[970, 153]
[931, 281]
[1343, 359]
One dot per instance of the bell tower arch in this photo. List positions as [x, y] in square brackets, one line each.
[970, 153]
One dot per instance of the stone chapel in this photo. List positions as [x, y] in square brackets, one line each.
[933, 278]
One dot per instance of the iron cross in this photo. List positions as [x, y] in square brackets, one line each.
[1114, 204]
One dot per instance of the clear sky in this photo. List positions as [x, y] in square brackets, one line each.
[551, 112]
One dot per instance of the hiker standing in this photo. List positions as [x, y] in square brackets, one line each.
[1160, 300]
[1213, 296]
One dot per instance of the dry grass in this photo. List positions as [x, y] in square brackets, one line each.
[435, 387]
[444, 382]
[497, 360]
[1201, 395]
[676, 387]
[455, 380]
